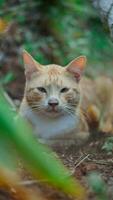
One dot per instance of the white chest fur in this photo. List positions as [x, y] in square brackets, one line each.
[46, 127]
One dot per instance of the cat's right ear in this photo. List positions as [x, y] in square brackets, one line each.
[76, 67]
[31, 66]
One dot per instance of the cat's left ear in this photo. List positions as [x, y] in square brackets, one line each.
[31, 66]
[76, 67]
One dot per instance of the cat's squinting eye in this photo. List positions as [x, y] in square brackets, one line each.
[65, 89]
[41, 89]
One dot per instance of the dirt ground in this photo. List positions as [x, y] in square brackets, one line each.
[80, 162]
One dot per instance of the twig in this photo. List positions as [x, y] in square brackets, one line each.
[82, 161]
[102, 162]
[78, 164]
[28, 182]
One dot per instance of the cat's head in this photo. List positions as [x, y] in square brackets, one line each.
[53, 90]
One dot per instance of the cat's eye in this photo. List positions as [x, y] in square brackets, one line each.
[65, 89]
[42, 89]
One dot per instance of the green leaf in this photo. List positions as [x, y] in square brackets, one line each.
[2, 2]
[108, 145]
[7, 155]
[98, 186]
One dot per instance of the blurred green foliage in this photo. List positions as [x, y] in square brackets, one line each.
[108, 145]
[98, 186]
[58, 31]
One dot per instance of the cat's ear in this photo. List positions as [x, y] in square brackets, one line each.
[76, 67]
[31, 66]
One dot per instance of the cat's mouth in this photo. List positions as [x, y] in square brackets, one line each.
[53, 111]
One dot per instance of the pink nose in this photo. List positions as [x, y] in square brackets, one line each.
[53, 102]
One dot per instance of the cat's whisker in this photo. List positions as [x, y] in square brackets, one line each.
[36, 108]
[69, 110]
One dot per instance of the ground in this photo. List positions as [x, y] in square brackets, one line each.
[80, 162]
[90, 158]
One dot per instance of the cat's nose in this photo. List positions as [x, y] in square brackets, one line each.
[53, 102]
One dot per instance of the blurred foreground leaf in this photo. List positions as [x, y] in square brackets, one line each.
[7, 155]
[36, 156]
[11, 190]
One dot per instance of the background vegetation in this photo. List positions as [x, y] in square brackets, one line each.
[58, 31]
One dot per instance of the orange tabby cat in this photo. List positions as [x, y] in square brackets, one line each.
[52, 100]
[61, 106]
